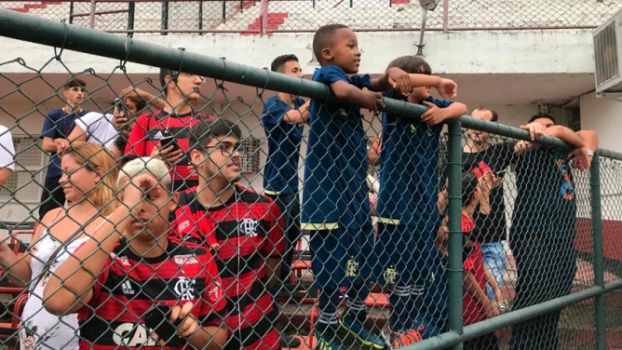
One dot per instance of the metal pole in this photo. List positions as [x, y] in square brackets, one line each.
[164, 19]
[71, 12]
[200, 15]
[454, 210]
[131, 10]
[422, 34]
[445, 15]
[263, 17]
[92, 15]
[597, 236]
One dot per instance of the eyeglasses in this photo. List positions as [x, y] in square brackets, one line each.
[228, 149]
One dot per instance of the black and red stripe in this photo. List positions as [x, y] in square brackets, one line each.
[130, 285]
[244, 247]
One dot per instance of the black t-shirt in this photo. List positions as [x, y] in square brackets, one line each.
[497, 157]
[545, 205]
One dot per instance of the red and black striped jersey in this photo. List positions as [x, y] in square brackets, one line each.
[130, 285]
[150, 128]
[248, 230]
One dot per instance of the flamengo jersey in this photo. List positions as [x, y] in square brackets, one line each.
[249, 229]
[148, 130]
[409, 174]
[130, 285]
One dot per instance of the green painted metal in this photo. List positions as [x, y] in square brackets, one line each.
[454, 210]
[599, 269]
[447, 340]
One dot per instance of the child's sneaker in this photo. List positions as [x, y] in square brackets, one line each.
[396, 340]
[329, 338]
[356, 329]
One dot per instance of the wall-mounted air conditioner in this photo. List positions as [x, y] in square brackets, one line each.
[608, 57]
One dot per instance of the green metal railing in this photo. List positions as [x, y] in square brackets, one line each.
[67, 37]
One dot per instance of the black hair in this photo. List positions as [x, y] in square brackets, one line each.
[411, 65]
[495, 116]
[140, 102]
[324, 37]
[469, 186]
[75, 82]
[120, 142]
[279, 62]
[542, 115]
[203, 132]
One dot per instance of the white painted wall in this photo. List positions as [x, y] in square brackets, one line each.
[480, 52]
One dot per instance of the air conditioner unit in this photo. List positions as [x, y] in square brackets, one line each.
[608, 57]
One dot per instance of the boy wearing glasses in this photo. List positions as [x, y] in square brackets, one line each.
[164, 134]
[243, 228]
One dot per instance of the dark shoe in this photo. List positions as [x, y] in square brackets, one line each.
[287, 341]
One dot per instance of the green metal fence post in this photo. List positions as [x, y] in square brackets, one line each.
[454, 210]
[597, 234]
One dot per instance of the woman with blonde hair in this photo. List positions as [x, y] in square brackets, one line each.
[88, 180]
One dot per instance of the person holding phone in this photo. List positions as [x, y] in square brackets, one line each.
[131, 285]
[480, 156]
[164, 134]
[105, 128]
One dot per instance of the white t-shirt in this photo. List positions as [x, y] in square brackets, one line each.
[7, 151]
[98, 128]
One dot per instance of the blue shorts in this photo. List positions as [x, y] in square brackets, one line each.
[402, 255]
[340, 257]
[435, 299]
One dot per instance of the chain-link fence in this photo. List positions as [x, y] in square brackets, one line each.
[168, 205]
[254, 17]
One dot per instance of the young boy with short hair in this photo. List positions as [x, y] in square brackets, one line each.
[335, 205]
[406, 206]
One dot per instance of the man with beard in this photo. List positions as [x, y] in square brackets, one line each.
[244, 229]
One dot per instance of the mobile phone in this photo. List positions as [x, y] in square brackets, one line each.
[120, 106]
[157, 319]
[500, 173]
[168, 140]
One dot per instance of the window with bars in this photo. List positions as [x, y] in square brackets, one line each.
[26, 181]
[250, 163]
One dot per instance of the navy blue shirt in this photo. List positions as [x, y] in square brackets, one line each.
[284, 140]
[58, 125]
[335, 189]
[545, 202]
[409, 175]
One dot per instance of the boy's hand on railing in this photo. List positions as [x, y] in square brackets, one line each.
[373, 100]
[433, 115]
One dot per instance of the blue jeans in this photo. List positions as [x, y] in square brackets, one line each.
[494, 259]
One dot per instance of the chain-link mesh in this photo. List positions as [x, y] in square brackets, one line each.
[300, 16]
[373, 209]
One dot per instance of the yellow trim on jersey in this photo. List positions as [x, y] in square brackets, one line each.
[389, 221]
[326, 226]
[271, 193]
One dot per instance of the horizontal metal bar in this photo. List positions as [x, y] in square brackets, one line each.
[28, 28]
[610, 154]
[98, 13]
[450, 339]
[182, 31]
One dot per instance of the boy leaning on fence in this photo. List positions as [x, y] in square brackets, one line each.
[336, 206]
[406, 206]
[128, 265]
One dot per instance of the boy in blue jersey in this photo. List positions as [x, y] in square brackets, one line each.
[283, 119]
[335, 204]
[406, 206]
